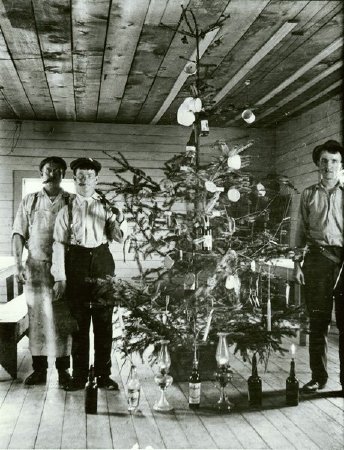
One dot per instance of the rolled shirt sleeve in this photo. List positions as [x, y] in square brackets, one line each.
[116, 231]
[21, 221]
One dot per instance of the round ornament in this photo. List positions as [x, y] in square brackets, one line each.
[233, 195]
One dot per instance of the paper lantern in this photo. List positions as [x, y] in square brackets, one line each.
[190, 68]
[234, 162]
[185, 117]
[233, 195]
[261, 190]
[248, 116]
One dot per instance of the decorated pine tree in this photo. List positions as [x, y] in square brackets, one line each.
[213, 227]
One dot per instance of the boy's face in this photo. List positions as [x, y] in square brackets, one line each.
[85, 181]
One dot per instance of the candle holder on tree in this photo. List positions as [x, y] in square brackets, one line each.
[163, 379]
[224, 372]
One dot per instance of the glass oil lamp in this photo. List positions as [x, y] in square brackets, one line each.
[163, 379]
[224, 372]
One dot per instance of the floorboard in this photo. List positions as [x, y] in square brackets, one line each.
[47, 417]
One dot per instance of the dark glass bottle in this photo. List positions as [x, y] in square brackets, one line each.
[91, 393]
[292, 387]
[190, 149]
[194, 387]
[254, 386]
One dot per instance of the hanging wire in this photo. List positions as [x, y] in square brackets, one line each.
[15, 138]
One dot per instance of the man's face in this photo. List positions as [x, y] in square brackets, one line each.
[52, 174]
[85, 181]
[330, 165]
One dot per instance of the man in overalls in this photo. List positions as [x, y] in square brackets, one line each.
[80, 253]
[33, 227]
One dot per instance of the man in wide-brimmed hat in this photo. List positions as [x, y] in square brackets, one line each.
[81, 254]
[320, 231]
[33, 227]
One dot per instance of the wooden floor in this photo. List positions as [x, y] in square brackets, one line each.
[48, 417]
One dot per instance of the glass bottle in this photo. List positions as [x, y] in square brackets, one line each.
[91, 393]
[292, 387]
[134, 389]
[190, 149]
[254, 386]
[195, 386]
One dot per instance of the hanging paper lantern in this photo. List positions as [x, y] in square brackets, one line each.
[210, 186]
[190, 68]
[261, 190]
[234, 162]
[233, 195]
[185, 117]
[193, 104]
[233, 282]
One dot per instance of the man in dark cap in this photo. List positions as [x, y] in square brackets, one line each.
[320, 232]
[81, 254]
[33, 227]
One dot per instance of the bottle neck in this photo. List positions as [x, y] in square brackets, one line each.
[254, 366]
[292, 368]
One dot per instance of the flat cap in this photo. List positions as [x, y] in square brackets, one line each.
[54, 159]
[85, 163]
[331, 146]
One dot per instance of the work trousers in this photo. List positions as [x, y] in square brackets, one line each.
[83, 266]
[40, 363]
[320, 276]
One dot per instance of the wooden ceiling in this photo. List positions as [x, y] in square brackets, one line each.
[113, 61]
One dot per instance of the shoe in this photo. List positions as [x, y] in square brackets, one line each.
[74, 384]
[64, 378]
[313, 386]
[36, 378]
[107, 383]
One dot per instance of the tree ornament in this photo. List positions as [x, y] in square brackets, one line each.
[261, 190]
[234, 162]
[233, 195]
[168, 262]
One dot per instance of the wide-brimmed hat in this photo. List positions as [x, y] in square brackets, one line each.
[85, 163]
[331, 146]
[54, 159]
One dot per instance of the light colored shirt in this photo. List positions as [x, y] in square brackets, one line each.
[93, 224]
[35, 221]
[321, 217]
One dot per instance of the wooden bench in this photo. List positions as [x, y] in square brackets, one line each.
[14, 323]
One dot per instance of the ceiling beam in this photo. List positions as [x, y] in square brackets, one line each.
[333, 86]
[313, 62]
[302, 89]
[262, 52]
[203, 45]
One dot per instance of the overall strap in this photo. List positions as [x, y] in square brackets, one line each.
[69, 202]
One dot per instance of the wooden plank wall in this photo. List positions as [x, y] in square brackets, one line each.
[295, 141]
[23, 146]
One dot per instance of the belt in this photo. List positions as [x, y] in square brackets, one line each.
[333, 253]
[87, 250]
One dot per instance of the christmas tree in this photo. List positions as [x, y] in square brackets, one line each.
[212, 226]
